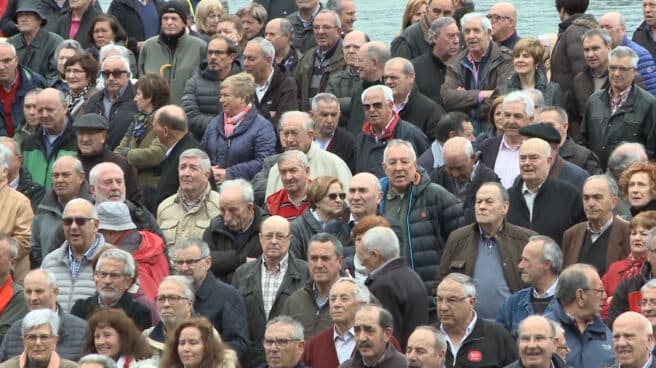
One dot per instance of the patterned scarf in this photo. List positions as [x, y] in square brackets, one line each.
[74, 101]
[229, 123]
[140, 126]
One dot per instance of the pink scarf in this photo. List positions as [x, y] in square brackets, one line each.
[229, 123]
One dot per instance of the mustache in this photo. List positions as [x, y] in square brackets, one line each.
[365, 344]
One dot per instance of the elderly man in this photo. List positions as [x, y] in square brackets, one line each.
[580, 294]
[115, 272]
[373, 329]
[267, 282]
[396, 286]
[116, 100]
[328, 135]
[75, 22]
[284, 343]
[41, 292]
[642, 34]
[536, 344]
[536, 199]
[72, 262]
[173, 54]
[633, 341]
[322, 61]
[539, 267]
[415, 40]
[183, 214]
[603, 238]
[464, 90]
[382, 125]
[201, 92]
[503, 17]
[291, 201]
[648, 301]
[614, 24]
[471, 339]
[275, 90]
[219, 302]
[233, 235]
[347, 83]
[409, 102]
[491, 246]
[462, 174]
[309, 304]
[626, 110]
[17, 176]
[14, 306]
[426, 348]
[445, 39]
[453, 124]
[279, 32]
[347, 13]
[39, 332]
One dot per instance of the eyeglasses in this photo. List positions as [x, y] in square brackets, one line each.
[112, 275]
[79, 221]
[449, 301]
[33, 338]
[647, 301]
[278, 342]
[278, 236]
[171, 298]
[375, 105]
[600, 291]
[7, 61]
[114, 73]
[333, 196]
[623, 69]
[217, 52]
[74, 71]
[495, 18]
[188, 262]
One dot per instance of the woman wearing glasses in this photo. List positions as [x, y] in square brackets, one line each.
[80, 73]
[326, 198]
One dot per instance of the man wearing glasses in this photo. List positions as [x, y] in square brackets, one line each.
[219, 302]
[503, 17]
[284, 343]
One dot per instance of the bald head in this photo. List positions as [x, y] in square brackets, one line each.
[364, 195]
[170, 124]
[632, 339]
[504, 20]
[534, 161]
[459, 158]
[357, 36]
[274, 222]
[613, 22]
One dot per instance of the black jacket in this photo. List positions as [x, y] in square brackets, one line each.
[168, 169]
[129, 18]
[642, 36]
[120, 114]
[550, 90]
[580, 156]
[557, 207]
[31, 189]
[279, 98]
[343, 145]
[390, 359]
[411, 43]
[556, 361]
[138, 312]
[428, 64]
[489, 150]
[82, 36]
[305, 226]
[488, 345]
[422, 112]
[628, 290]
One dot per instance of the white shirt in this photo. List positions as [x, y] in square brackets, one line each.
[455, 347]
[261, 90]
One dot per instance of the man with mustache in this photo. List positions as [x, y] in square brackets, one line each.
[633, 341]
[535, 342]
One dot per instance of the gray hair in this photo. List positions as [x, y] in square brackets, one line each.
[502, 190]
[650, 238]
[268, 51]
[622, 52]
[552, 326]
[387, 92]
[184, 282]
[94, 174]
[336, 5]
[562, 114]
[33, 91]
[294, 155]
[537, 97]
[120, 255]
[360, 292]
[122, 59]
[77, 164]
[337, 22]
[68, 44]
[325, 238]
[520, 96]
[571, 279]
[193, 242]
[247, 193]
[16, 147]
[399, 142]
[407, 67]
[205, 163]
[378, 51]
[383, 240]
[40, 317]
[51, 279]
[308, 123]
[297, 327]
[612, 185]
[13, 245]
[323, 97]
[621, 159]
[385, 318]
[285, 26]
[550, 252]
[105, 362]
[5, 156]
[437, 25]
[599, 32]
[485, 23]
[651, 284]
[440, 342]
[466, 281]
[113, 49]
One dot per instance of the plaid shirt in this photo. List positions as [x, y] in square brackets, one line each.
[618, 100]
[271, 281]
[75, 264]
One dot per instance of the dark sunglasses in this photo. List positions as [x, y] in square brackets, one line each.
[375, 105]
[333, 196]
[79, 221]
[113, 73]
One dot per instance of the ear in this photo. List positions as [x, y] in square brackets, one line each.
[92, 189]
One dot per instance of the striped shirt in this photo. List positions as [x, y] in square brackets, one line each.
[271, 281]
[75, 264]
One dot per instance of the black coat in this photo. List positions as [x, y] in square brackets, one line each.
[168, 169]
[488, 345]
[489, 149]
[279, 98]
[628, 290]
[120, 114]
[305, 226]
[129, 18]
[580, 156]
[557, 207]
[343, 145]
[411, 43]
[278, 8]
[31, 189]
[428, 64]
[642, 36]
[422, 112]
[138, 312]
[82, 36]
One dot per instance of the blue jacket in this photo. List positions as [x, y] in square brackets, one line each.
[28, 81]
[517, 307]
[646, 65]
[591, 349]
[243, 153]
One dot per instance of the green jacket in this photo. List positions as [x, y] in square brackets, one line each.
[34, 154]
[302, 306]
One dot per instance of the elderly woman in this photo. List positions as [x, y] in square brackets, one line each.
[80, 73]
[414, 11]
[113, 334]
[207, 17]
[239, 139]
[638, 185]
[527, 56]
[64, 51]
[326, 198]
[39, 331]
[194, 345]
[254, 18]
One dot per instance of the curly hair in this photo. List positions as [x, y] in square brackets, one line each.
[639, 167]
[368, 222]
[319, 188]
[132, 342]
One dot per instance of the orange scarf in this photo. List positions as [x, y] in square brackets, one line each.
[6, 293]
[53, 363]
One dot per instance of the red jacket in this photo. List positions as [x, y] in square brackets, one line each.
[152, 265]
[617, 272]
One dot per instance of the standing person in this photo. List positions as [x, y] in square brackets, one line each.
[139, 19]
[284, 343]
[638, 185]
[633, 341]
[14, 306]
[503, 17]
[279, 32]
[80, 74]
[207, 18]
[74, 21]
[345, 84]
[415, 40]
[643, 34]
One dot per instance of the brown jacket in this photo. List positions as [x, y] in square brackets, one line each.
[462, 249]
[16, 221]
[303, 73]
[618, 242]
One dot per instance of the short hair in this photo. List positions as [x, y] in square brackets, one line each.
[599, 32]
[285, 26]
[113, 49]
[644, 219]
[235, 20]
[268, 51]
[119, 32]
[255, 10]
[5, 156]
[379, 52]
[651, 284]
[385, 318]
[387, 92]
[383, 240]
[646, 167]
[621, 159]
[193, 242]
[440, 342]
[612, 185]
[531, 46]
[155, 87]
[203, 10]
[562, 114]
[104, 361]
[319, 188]
[307, 125]
[297, 327]
[537, 96]
[466, 281]
[325, 238]
[406, 66]
[368, 222]
[171, 121]
[294, 155]
[323, 97]
[572, 7]
[51, 279]
[650, 238]
[437, 25]
[95, 171]
[33, 91]
[571, 279]
[552, 326]
[205, 163]
[622, 52]
[233, 48]
[247, 193]
[485, 23]
[503, 192]
[87, 62]
[337, 22]
[122, 59]
[241, 84]
[68, 44]
[120, 255]
[520, 96]
[360, 292]
[550, 252]
[451, 122]
[185, 282]
[399, 142]
[40, 317]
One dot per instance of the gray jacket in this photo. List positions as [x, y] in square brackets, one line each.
[38, 55]
[343, 85]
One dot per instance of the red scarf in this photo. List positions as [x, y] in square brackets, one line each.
[387, 132]
[229, 123]
[6, 293]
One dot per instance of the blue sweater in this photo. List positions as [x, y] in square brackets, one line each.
[646, 66]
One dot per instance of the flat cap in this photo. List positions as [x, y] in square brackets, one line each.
[542, 131]
[91, 121]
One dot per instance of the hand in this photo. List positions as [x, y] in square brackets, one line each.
[487, 94]
[219, 174]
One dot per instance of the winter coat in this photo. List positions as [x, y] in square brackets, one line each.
[580, 156]
[39, 54]
[139, 313]
[618, 243]
[120, 114]
[304, 227]
[344, 85]
[302, 38]
[550, 90]
[303, 74]
[15, 221]
[28, 81]
[646, 66]
[627, 294]
[129, 18]
[429, 64]
[30, 189]
[390, 359]
[422, 112]
[302, 306]
[342, 145]
[34, 153]
[642, 36]
[280, 97]
[15, 309]
[517, 307]
[412, 42]
[148, 250]
[278, 8]
[488, 345]
[63, 26]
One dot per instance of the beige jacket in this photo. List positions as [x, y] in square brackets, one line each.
[16, 221]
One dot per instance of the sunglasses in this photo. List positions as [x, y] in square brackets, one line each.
[333, 196]
[113, 73]
[375, 105]
[79, 221]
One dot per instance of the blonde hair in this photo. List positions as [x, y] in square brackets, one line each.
[240, 84]
[203, 10]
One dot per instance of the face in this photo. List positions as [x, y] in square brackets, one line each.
[420, 351]
[371, 338]
[347, 16]
[552, 118]
[468, 131]
[649, 11]
[400, 167]
[172, 304]
[535, 343]
[459, 165]
[351, 46]
[28, 22]
[612, 25]
[501, 17]
[15, 161]
[275, 238]
[515, 117]
[280, 348]
[39, 343]
[188, 262]
[377, 111]
[476, 38]
[52, 112]
[366, 66]
[64, 55]
[172, 24]
[326, 33]
[29, 110]
[324, 265]
[76, 77]
[218, 57]
[110, 185]
[103, 34]
[294, 177]
[397, 80]
[326, 117]
[90, 141]
[598, 203]
[439, 9]
[236, 213]
[232, 104]
[639, 189]
[212, 22]
[66, 182]
[228, 29]
[254, 61]
[144, 104]
[454, 308]
[111, 280]
[595, 53]
[648, 304]
[193, 178]
[638, 240]
[419, 14]
[107, 341]
[446, 44]
[534, 163]
[499, 120]
[251, 26]
[490, 207]
[119, 77]
[632, 344]
[332, 207]
[80, 236]
[294, 137]
[363, 196]
[620, 73]
[38, 294]
[595, 295]
[274, 35]
[343, 304]
[190, 346]
[524, 63]
[532, 266]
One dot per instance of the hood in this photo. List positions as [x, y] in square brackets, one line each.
[150, 249]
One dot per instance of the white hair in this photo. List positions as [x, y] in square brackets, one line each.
[485, 23]
[267, 48]
[40, 317]
[389, 94]
[523, 97]
[383, 240]
[122, 59]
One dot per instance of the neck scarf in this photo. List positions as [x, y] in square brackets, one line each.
[229, 123]
[74, 101]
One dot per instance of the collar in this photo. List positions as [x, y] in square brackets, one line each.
[14, 183]
[483, 235]
[267, 83]
[89, 253]
[468, 330]
[118, 95]
[603, 227]
[398, 108]
[379, 269]
[15, 80]
[349, 334]
[551, 291]
[311, 21]
[282, 264]
[505, 146]
[387, 132]
[534, 191]
[622, 95]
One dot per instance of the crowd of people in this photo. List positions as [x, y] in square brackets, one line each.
[181, 186]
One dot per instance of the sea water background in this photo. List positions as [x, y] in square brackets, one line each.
[382, 18]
